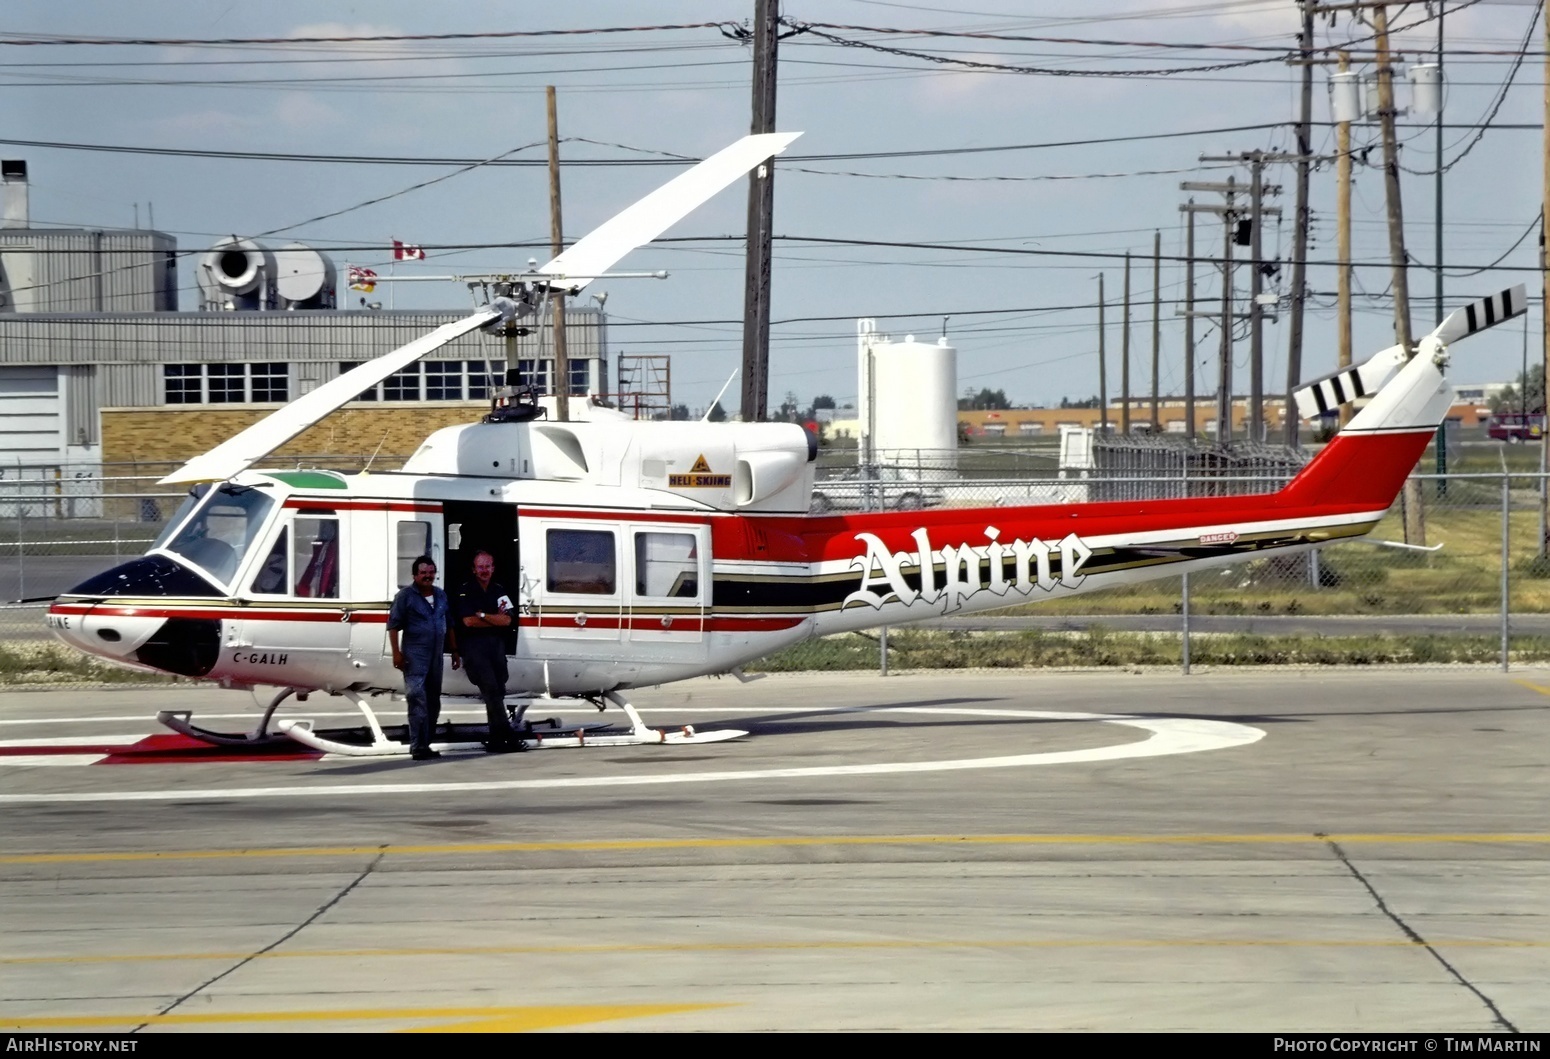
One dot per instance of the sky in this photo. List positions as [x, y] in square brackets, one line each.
[1019, 169]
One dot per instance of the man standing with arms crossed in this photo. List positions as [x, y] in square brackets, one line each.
[420, 611]
[484, 613]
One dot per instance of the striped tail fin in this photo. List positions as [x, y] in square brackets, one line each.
[1326, 394]
[1322, 396]
[1479, 315]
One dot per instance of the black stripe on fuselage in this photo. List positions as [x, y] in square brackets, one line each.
[802, 593]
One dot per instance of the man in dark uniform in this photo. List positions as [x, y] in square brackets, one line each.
[422, 614]
[484, 613]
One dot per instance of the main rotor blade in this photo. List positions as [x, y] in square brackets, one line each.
[259, 440]
[1479, 315]
[602, 248]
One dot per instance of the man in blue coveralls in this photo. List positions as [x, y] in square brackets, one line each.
[420, 611]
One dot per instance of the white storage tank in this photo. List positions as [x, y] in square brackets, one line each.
[908, 403]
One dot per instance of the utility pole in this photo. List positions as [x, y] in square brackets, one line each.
[1103, 371]
[1224, 370]
[1415, 517]
[1442, 429]
[761, 212]
[1256, 311]
[1544, 313]
[1343, 242]
[1300, 229]
[1189, 324]
[561, 387]
[1257, 212]
[1156, 322]
[1124, 359]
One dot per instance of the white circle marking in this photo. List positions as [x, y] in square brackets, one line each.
[1168, 735]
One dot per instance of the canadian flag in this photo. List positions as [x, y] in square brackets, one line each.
[405, 252]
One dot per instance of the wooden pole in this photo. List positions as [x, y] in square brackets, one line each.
[1124, 358]
[1544, 309]
[561, 385]
[1415, 516]
[1343, 242]
[1189, 324]
[1156, 323]
[1256, 312]
[1300, 229]
[1224, 368]
[761, 210]
[1103, 371]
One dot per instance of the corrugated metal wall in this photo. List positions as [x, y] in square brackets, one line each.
[80, 391]
[98, 271]
[132, 347]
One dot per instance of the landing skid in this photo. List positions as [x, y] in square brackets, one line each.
[373, 740]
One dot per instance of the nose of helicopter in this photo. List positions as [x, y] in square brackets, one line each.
[116, 615]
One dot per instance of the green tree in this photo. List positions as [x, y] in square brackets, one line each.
[716, 414]
[985, 400]
[823, 400]
[679, 413]
[1511, 399]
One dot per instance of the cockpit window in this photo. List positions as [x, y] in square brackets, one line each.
[222, 530]
[195, 495]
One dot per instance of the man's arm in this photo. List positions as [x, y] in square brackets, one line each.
[481, 619]
[394, 623]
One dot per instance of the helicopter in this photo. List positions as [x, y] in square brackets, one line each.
[644, 553]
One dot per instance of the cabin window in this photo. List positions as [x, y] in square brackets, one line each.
[582, 561]
[667, 565]
[315, 557]
[275, 574]
[414, 540]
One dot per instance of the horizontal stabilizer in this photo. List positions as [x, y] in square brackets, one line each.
[1323, 396]
[1487, 312]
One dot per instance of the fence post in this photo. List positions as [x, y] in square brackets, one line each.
[882, 652]
[1506, 599]
[1184, 639]
[21, 554]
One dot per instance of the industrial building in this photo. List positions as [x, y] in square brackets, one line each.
[98, 369]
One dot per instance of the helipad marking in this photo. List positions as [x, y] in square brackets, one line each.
[1169, 735]
[473, 1019]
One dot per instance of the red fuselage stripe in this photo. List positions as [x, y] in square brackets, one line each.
[648, 623]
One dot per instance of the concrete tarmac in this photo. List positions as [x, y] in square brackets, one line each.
[1329, 850]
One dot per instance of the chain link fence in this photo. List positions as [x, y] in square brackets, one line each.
[1475, 588]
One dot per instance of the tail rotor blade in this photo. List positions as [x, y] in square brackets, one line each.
[1479, 315]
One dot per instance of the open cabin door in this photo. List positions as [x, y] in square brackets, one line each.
[482, 526]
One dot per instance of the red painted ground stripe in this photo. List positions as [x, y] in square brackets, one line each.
[167, 749]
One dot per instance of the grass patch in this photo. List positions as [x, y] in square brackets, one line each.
[1103, 648]
[50, 663]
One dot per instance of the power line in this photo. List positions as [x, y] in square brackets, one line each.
[191, 42]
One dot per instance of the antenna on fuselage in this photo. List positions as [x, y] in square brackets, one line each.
[719, 396]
